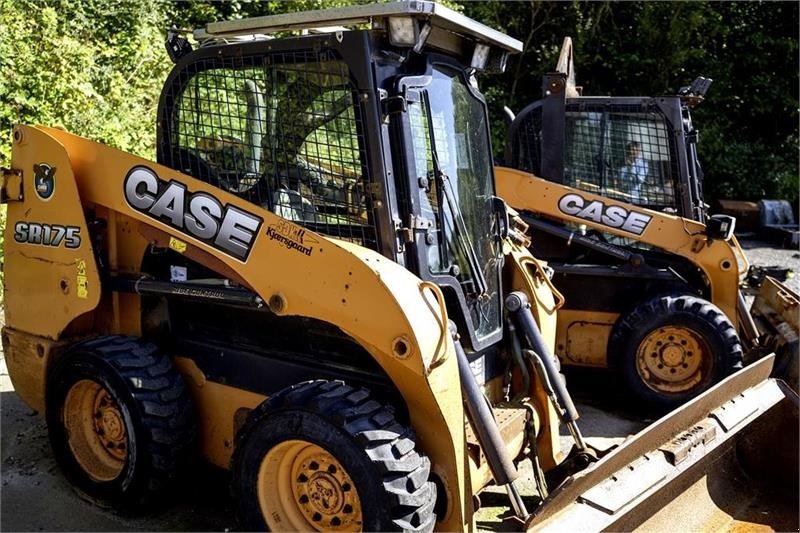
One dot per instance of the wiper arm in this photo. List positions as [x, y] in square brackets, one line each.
[462, 234]
[461, 231]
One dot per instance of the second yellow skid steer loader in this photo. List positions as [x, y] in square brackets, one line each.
[316, 288]
[612, 190]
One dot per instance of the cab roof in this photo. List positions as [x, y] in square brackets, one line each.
[412, 23]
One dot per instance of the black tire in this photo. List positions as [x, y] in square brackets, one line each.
[390, 475]
[152, 407]
[702, 322]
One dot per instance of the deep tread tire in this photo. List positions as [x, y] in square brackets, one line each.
[391, 475]
[157, 413]
[692, 312]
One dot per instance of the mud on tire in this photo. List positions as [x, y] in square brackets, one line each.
[390, 475]
[120, 420]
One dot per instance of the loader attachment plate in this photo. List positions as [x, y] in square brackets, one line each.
[747, 420]
[776, 311]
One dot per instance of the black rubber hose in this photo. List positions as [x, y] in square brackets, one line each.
[517, 304]
[480, 415]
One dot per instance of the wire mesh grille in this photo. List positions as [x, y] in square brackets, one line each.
[283, 131]
[526, 142]
[430, 205]
[622, 152]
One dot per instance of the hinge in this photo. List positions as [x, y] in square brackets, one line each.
[11, 188]
[518, 232]
[393, 104]
[415, 224]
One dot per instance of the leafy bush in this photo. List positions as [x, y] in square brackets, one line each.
[93, 67]
[2, 253]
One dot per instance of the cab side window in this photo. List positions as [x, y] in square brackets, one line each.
[621, 155]
[285, 134]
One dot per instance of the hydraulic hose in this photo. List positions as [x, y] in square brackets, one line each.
[483, 422]
[518, 305]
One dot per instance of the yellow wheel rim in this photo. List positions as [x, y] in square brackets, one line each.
[95, 430]
[673, 360]
[302, 487]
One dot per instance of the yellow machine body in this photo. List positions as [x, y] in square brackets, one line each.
[582, 336]
[54, 297]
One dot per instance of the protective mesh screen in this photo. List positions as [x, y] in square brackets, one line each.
[619, 151]
[283, 131]
[525, 143]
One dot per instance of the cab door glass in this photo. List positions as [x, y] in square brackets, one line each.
[449, 128]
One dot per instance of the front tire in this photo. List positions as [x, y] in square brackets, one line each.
[322, 456]
[119, 419]
[670, 349]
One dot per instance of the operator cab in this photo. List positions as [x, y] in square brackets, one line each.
[639, 150]
[361, 123]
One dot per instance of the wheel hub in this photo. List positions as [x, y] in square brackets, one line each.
[672, 356]
[324, 490]
[109, 426]
[325, 493]
[95, 430]
[318, 495]
[673, 359]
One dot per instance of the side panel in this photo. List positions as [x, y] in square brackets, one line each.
[27, 357]
[50, 271]
[223, 409]
[582, 336]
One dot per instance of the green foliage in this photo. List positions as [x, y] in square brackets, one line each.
[93, 67]
[2, 254]
[748, 124]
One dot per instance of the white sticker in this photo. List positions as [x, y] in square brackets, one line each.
[478, 367]
[177, 273]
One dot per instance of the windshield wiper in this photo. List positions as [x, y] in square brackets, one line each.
[462, 235]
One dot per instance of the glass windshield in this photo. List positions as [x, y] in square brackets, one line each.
[459, 198]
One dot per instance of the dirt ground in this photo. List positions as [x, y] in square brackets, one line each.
[34, 496]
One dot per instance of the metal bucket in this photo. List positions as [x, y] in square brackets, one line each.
[727, 459]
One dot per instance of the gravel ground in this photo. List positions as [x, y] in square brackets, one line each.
[761, 253]
[34, 496]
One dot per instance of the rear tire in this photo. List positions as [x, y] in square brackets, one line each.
[120, 420]
[670, 349]
[322, 456]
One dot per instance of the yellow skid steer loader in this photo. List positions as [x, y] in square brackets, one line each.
[612, 190]
[315, 287]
